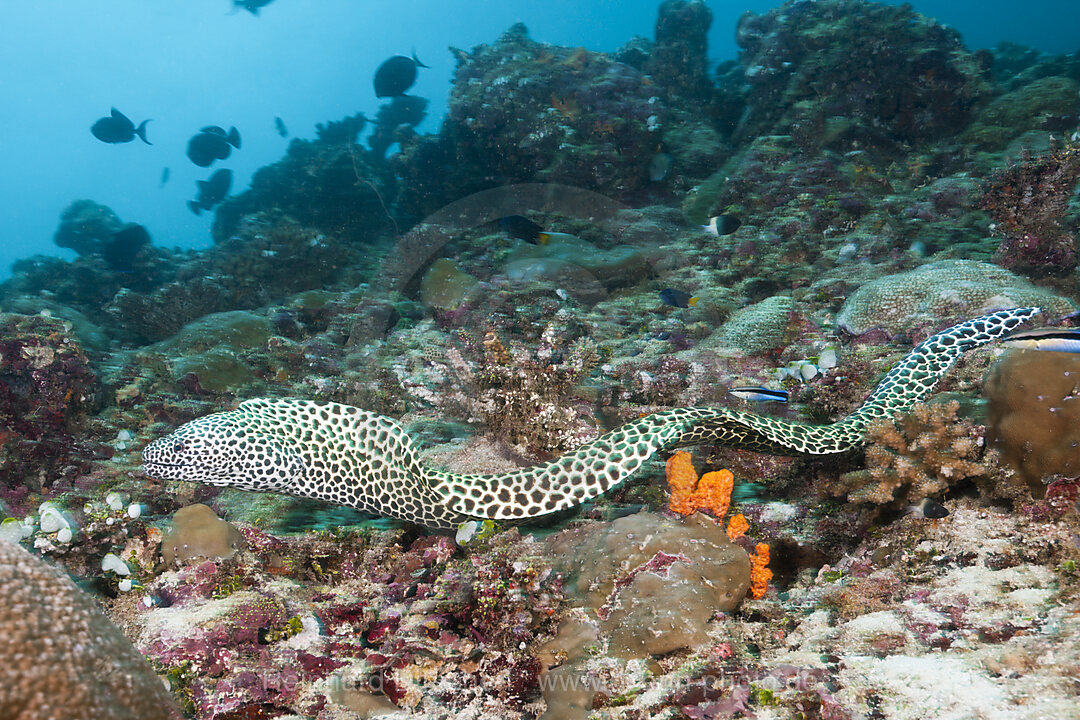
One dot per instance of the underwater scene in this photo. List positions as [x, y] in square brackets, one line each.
[653, 360]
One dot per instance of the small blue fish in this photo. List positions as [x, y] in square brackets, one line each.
[759, 394]
[1052, 339]
[677, 298]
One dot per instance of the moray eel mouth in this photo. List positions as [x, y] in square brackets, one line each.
[149, 466]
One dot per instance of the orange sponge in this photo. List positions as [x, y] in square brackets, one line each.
[682, 479]
[760, 574]
[737, 526]
[688, 494]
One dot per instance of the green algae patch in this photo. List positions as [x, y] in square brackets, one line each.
[212, 348]
[445, 287]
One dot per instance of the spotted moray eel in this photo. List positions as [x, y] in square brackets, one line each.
[348, 456]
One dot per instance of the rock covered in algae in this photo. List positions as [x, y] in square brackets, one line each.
[1035, 415]
[940, 291]
[867, 64]
[445, 287]
[47, 391]
[1021, 110]
[85, 226]
[198, 533]
[213, 347]
[62, 657]
[653, 581]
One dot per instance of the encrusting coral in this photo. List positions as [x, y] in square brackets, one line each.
[198, 533]
[1034, 414]
[61, 657]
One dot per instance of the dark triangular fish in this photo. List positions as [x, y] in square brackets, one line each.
[396, 75]
[1047, 339]
[252, 6]
[212, 143]
[1060, 123]
[120, 250]
[212, 191]
[279, 125]
[232, 137]
[759, 394]
[522, 228]
[117, 128]
[722, 225]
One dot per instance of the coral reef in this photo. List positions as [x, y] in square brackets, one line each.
[890, 74]
[650, 595]
[198, 533]
[922, 454]
[1022, 110]
[330, 185]
[112, 256]
[1028, 201]
[85, 226]
[307, 624]
[62, 657]
[677, 59]
[755, 329]
[524, 399]
[886, 181]
[524, 111]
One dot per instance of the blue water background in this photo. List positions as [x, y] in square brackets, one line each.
[190, 63]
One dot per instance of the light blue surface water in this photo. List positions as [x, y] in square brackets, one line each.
[191, 63]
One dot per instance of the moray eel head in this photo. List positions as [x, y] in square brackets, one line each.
[220, 450]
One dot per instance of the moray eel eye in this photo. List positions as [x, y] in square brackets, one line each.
[178, 448]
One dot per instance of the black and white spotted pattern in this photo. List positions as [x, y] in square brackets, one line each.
[351, 457]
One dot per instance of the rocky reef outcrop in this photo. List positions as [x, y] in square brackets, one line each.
[849, 73]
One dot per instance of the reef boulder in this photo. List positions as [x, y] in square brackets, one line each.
[1034, 414]
[525, 111]
[654, 582]
[889, 72]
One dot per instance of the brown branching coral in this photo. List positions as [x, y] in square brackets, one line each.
[524, 398]
[920, 454]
